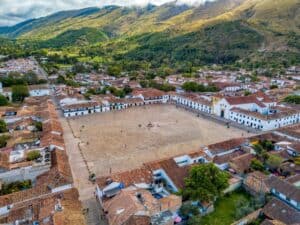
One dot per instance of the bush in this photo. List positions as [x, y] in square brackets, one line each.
[257, 165]
[195, 87]
[3, 100]
[274, 161]
[187, 210]
[3, 140]
[19, 93]
[15, 186]
[38, 126]
[294, 99]
[33, 155]
[3, 127]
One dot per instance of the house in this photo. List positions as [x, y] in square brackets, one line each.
[241, 164]
[133, 204]
[193, 101]
[80, 108]
[222, 161]
[279, 210]
[225, 147]
[151, 96]
[257, 111]
[285, 191]
[38, 90]
[294, 149]
[255, 183]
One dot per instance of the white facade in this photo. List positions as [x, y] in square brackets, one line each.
[263, 124]
[193, 104]
[39, 92]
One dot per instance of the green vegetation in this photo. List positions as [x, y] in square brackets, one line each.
[294, 99]
[38, 126]
[166, 39]
[33, 155]
[153, 84]
[205, 182]
[195, 87]
[273, 162]
[8, 188]
[3, 140]
[228, 209]
[3, 100]
[19, 93]
[188, 210]
[15, 78]
[257, 165]
[83, 36]
[265, 160]
[3, 126]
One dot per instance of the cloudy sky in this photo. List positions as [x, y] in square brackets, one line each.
[15, 11]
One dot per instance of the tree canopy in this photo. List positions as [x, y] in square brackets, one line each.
[294, 99]
[205, 182]
[19, 93]
[3, 100]
[3, 127]
[195, 87]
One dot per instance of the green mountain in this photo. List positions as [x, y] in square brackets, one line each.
[222, 31]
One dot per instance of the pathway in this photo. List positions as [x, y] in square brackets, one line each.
[80, 175]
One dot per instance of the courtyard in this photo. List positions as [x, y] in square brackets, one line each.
[121, 140]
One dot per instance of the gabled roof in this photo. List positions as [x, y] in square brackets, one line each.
[224, 146]
[284, 187]
[128, 178]
[175, 172]
[278, 210]
[238, 100]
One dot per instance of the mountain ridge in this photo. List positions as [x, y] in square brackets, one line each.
[223, 31]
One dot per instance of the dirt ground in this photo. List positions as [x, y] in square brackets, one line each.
[122, 140]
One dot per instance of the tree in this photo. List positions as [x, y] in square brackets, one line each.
[195, 220]
[38, 126]
[261, 152]
[195, 87]
[205, 182]
[127, 89]
[247, 93]
[114, 70]
[294, 99]
[19, 93]
[256, 165]
[267, 145]
[3, 100]
[33, 155]
[188, 209]
[3, 140]
[273, 162]
[3, 127]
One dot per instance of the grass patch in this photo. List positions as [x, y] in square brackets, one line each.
[225, 209]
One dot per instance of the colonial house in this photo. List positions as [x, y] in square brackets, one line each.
[138, 206]
[193, 101]
[285, 191]
[80, 108]
[294, 149]
[39, 90]
[276, 210]
[225, 147]
[151, 96]
[257, 111]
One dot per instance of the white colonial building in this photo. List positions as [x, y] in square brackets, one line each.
[193, 101]
[257, 111]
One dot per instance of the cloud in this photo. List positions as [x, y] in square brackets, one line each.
[15, 11]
